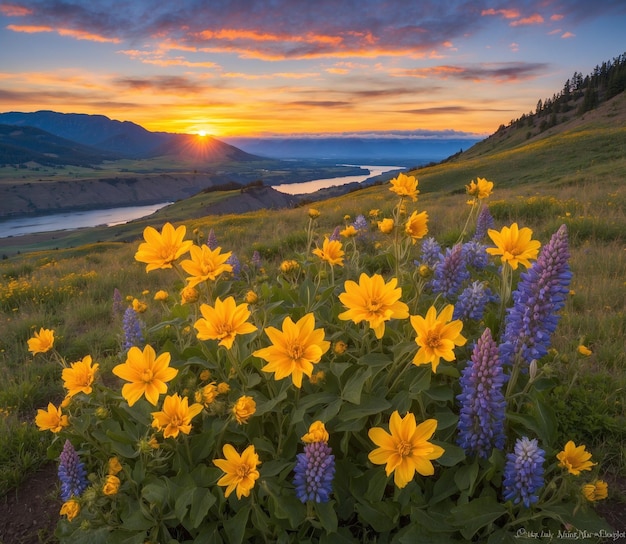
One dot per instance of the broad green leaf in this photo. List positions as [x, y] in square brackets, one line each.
[236, 526]
[353, 388]
[327, 516]
[202, 500]
[476, 515]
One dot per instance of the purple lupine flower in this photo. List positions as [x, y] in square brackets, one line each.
[234, 262]
[484, 222]
[451, 272]
[472, 301]
[211, 240]
[431, 253]
[256, 259]
[118, 305]
[523, 472]
[72, 473]
[336, 235]
[475, 254]
[132, 329]
[481, 420]
[360, 223]
[314, 472]
[540, 295]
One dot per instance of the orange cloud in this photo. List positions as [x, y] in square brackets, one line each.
[11, 10]
[72, 33]
[568, 35]
[506, 13]
[556, 17]
[534, 19]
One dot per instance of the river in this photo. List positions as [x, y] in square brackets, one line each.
[307, 187]
[116, 216]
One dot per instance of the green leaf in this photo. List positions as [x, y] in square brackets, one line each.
[466, 477]
[353, 388]
[155, 492]
[369, 405]
[236, 526]
[452, 454]
[382, 516]
[476, 515]
[135, 520]
[327, 515]
[202, 500]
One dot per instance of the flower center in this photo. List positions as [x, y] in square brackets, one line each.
[175, 422]
[296, 351]
[374, 306]
[243, 471]
[433, 339]
[403, 448]
[147, 375]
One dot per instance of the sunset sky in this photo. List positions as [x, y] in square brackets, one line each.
[259, 67]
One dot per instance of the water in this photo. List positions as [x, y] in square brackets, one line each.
[75, 220]
[117, 216]
[307, 187]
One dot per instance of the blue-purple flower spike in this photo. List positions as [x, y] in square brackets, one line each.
[314, 472]
[360, 223]
[211, 240]
[540, 295]
[523, 472]
[481, 421]
[132, 329]
[451, 272]
[72, 473]
[472, 301]
[484, 222]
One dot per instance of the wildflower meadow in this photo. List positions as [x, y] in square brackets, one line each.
[378, 386]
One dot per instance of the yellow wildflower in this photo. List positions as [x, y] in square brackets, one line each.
[146, 373]
[289, 266]
[313, 213]
[596, 491]
[223, 322]
[176, 416]
[405, 449]
[417, 226]
[294, 350]
[374, 301]
[480, 189]
[41, 342]
[405, 186]
[160, 250]
[70, 509]
[79, 377]
[240, 470]
[207, 394]
[514, 245]
[252, 297]
[51, 419]
[584, 350]
[114, 466]
[331, 252]
[317, 433]
[111, 485]
[243, 409]
[340, 347]
[223, 388]
[349, 232]
[205, 264]
[161, 295]
[575, 458]
[189, 295]
[386, 225]
[437, 336]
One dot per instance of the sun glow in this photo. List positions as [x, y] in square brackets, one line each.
[202, 133]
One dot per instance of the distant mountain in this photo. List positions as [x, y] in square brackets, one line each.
[19, 145]
[124, 139]
[407, 150]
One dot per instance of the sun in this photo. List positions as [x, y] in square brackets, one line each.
[202, 133]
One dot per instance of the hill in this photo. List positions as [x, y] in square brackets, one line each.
[124, 139]
[20, 145]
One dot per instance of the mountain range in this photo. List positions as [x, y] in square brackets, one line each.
[82, 139]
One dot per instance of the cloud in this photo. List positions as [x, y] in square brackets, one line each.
[12, 10]
[506, 13]
[534, 19]
[162, 84]
[73, 33]
[568, 35]
[495, 71]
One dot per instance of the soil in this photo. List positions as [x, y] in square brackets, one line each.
[28, 515]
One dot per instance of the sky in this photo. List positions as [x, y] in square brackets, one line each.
[301, 67]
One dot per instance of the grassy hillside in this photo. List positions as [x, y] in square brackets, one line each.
[572, 174]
